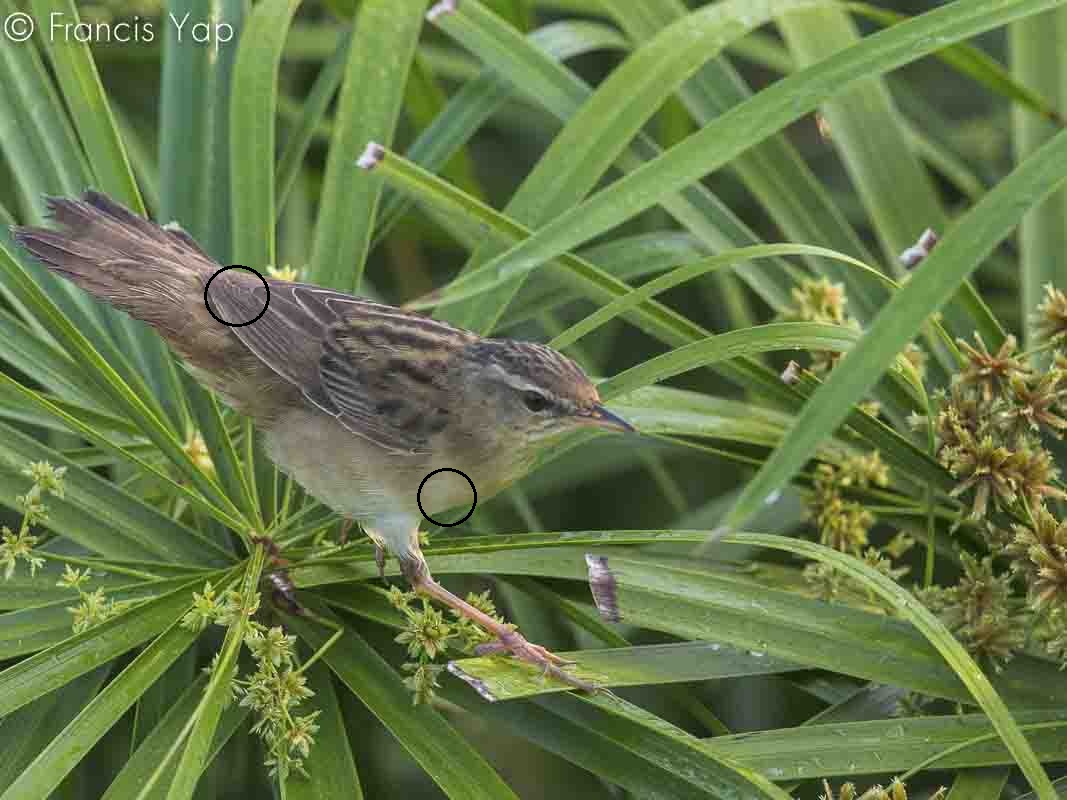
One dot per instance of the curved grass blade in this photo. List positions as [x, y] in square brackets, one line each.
[730, 345]
[655, 763]
[688, 272]
[751, 122]
[973, 62]
[845, 748]
[910, 609]
[969, 241]
[29, 630]
[602, 128]
[160, 531]
[101, 515]
[42, 149]
[129, 394]
[773, 171]
[28, 731]
[551, 85]
[485, 94]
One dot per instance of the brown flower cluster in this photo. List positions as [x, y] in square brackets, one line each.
[989, 428]
[981, 611]
[820, 301]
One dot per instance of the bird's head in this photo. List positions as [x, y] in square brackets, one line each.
[531, 389]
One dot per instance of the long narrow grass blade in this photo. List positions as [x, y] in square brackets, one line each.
[383, 45]
[252, 132]
[905, 604]
[970, 240]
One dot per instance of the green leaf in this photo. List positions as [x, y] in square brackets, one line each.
[96, 512]
[198, 736]
[746, 609]
[318, 100]
[733, 344]
[887, 745]
[688, 272]
[252, 119]
[187, 119]
[964, 246]
[28, 731]
[979, 784]
[603, 127]
[40, 144]
[547, 83]
[749, 123]
[331, 771]
[44, 672]
[439, 749]
[147, 757]
[90, 110]
[128, 392]
[22, 591]
[773, 171]
[627, 745]
[894, 187]
[909, 608]
[28, 630]
[165, 536]
[1038, 62]
[479, 98]
[507, 679]
[65, 751]
[383, 45]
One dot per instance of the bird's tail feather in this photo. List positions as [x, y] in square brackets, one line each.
[147, 270]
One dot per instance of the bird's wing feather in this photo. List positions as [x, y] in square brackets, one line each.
[344, 353]
[387, 371]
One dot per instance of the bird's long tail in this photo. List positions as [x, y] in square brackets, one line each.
[152, 272]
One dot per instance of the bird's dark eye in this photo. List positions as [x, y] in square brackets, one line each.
[535, 401]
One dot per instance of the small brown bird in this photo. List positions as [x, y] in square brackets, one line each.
[358, 401]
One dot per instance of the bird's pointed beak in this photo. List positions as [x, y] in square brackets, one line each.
[601, 417]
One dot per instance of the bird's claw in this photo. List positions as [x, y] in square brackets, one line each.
[549, 662]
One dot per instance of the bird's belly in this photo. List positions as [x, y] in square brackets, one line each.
[355, 477]
[345, 472]
[445, 489]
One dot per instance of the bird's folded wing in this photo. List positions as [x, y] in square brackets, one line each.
[300, 335]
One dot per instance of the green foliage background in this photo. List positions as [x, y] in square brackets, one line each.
[544, 158]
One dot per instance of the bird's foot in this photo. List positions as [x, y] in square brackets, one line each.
[549, 663]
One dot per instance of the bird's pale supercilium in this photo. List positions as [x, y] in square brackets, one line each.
[358, 401]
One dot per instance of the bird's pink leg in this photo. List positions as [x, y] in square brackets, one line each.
[506, 638]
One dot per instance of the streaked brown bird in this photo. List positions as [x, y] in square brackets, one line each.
[358, 401]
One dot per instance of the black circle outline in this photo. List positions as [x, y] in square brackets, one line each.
[220, 319]
[418, 497]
